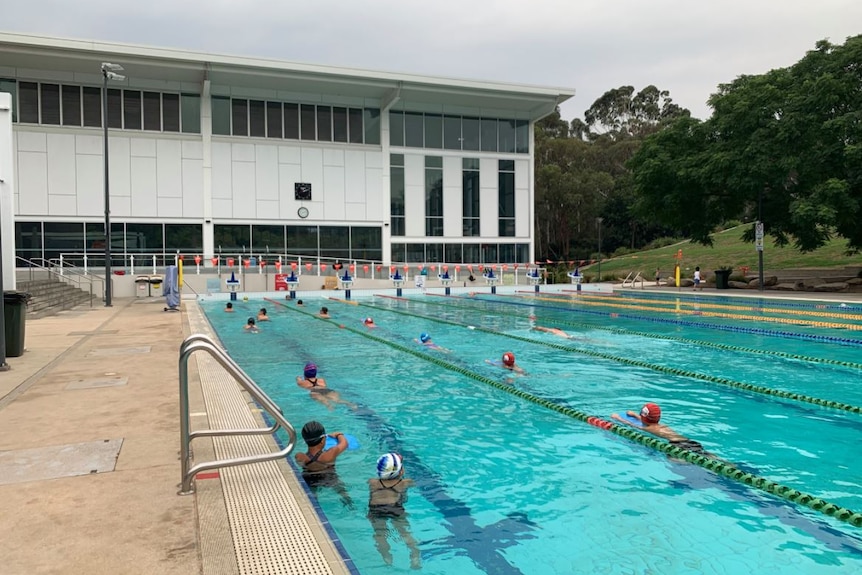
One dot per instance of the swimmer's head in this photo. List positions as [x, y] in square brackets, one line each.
[508, 359]
[299, 302]
[250, 321]
[310, 370]
[389, 466]
[324, 309]
[651, 413]
[368, 321]
[228, 305]
[262, 311]
[313, 433]
[424, 337]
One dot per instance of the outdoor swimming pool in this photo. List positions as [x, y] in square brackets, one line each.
[505, 484]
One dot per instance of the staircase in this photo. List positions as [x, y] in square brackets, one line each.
[50, 296]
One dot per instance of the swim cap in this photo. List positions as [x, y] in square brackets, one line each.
[368, 320]
[313, 433]
[509, 359]
[424, 337]
[389, 466]
[262, 311]
[251, 321]
[310, 369]
[651, 413]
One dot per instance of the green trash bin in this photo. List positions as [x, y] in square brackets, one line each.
[722, 278]
[15, 314]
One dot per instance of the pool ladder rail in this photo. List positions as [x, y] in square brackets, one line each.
[200, 342]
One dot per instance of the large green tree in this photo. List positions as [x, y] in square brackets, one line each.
[784, 145]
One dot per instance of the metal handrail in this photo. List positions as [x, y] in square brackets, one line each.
[33, 264]
[198, 342]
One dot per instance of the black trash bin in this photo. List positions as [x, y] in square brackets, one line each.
[15, 314]
[721, 279]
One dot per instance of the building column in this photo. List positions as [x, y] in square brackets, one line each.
[206, 168]
[7, 189]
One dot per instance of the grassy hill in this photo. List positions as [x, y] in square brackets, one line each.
[728, 250]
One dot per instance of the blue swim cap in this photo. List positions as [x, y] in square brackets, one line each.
[310, 369]
[424, 337]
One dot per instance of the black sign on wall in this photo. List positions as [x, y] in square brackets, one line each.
[302, 191]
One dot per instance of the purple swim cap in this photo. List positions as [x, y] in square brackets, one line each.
[310, 370]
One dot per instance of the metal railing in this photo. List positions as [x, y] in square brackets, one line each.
[631, 281]
[200, 342]
[55, 269]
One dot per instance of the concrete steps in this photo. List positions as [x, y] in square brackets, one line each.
[50, 296]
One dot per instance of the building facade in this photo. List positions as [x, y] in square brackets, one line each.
[220, 155]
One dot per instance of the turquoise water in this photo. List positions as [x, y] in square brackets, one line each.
[504, 485]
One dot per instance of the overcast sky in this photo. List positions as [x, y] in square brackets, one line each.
[685, 46]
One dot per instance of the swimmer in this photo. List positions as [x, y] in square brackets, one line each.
[261, 315]
[649, 417]
[299, 303]
[250, 326]
[318, 389]
[324, 313]
[425, 339]
[508, 362]
[387, 493]
[228, 307]
[553, 330]
[369, 323]
[318, 463]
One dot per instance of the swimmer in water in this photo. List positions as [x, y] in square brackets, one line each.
[318, 389]
[387, 493]
[649, 417]
[324, 313]
[425, 339]
[508, 362]
[553, 330]
[261, 315]
[250, 326]
[369, 323]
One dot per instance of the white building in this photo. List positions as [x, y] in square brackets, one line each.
[214, 154]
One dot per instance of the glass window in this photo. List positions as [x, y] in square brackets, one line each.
[308, 130]
[171, 113]
[522, 137]
[144, 238]
[28, 240]
[523, 253]
[396, 129]
[65, 237]
[396, 196]
[396, 159]
[371, 118]
[92, 107]
[50, 103]
[509, 253]
[489, 135]
[506, 136]
[185, 238]
[267, 239]
[506, 198]
[132, 110]
[399, 253]
[414, 125]
[452, 132]
[433, 253]
[470, 197]
[28, 94]
[94, 239]
[472, 254]
[324, 124]
[115, 108]
[153, 111]
[339, 124]
[354, 121]
[221, 115]
[239, 117]
[489, 254]
[274, 121]
[302, 240]
[366, 243]
[470, 134]
[11, 87]
[257, 118]
[231, 239]
[433, 131]
[335, 242]
[433, 196]
[71, 105]
[453, 253]
[433, 161]
[291, 121]
[191, 113]
[415, 253]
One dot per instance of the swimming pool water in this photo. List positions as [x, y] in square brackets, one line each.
[504, 485]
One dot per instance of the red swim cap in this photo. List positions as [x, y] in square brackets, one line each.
[651, 413]
[509, 359]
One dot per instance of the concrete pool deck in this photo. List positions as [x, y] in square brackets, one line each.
[89, 455]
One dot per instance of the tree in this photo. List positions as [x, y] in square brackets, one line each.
[620, 113]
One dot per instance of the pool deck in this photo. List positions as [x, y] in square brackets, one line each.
[89, 454]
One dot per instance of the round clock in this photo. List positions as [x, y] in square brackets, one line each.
[302, 212]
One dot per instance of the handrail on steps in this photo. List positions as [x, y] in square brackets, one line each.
[200, 342]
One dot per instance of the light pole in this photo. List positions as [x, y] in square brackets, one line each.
[599, 224]
[109, 72]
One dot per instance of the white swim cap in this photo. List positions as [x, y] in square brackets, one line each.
[389, 466]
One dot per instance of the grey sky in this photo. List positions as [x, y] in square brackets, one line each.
[685, 46]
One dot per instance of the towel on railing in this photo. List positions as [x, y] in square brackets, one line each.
[169, 287]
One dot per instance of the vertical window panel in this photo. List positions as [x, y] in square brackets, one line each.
[131, 109]
[506, 136]
[371, 119]
[339, 124]
[171, 112]
[308, 129]
[452, 132]
[28, 94]
[470, 134]
[522, 136]
[239, 117]
[11, 87]
[324, 124]
[291, 121]
[433, 196]
[115, 108]
[92, 107]
[221, 115]
[470, 197]
[354, 126]
[433, 131]
[489, 135]
[414, 128]
[71, 105]
[190, 109]
[50, 103]
[257, 118]
[153, 111]
[273, 120]
[396, 128]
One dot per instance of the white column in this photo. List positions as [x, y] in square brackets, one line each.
[206, 144]
[7, 188]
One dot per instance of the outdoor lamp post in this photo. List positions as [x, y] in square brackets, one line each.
[109, 72]
[599, 225]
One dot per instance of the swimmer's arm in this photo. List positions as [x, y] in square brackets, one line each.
[622, 420]
[341, 446]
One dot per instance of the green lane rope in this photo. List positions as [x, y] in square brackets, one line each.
[716, 466]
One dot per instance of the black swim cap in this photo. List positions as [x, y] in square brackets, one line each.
[313, 433]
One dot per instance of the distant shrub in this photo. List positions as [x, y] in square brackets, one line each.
[621, 251]
[731, 224]
[661, 242]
